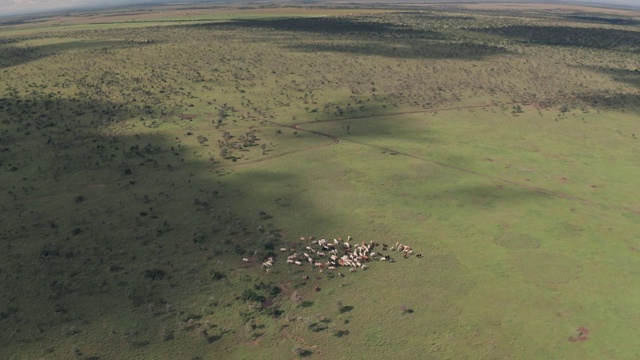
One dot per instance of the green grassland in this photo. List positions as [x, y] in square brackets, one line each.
[140, 165]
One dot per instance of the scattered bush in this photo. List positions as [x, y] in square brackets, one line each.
[251, 295]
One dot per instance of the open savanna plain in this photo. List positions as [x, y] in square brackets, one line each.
[141, 164]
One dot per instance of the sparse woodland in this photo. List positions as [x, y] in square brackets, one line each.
[127, 197]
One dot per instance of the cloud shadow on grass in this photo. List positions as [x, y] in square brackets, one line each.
[360, 36]
[630, 77]
[595, 38]
[603, 20]
[406, 49]
[95, 243]
[328, 26]
[616, 100]
[612, 101]
[12, 54]
[373, 128]
[487, 195]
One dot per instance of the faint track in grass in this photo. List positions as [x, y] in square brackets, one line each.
[423, 111]
[489, 177]
[336, 139]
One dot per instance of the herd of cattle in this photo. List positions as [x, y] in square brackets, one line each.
[326, 254]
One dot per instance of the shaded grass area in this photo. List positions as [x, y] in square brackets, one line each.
[597, 38]
[333, 25]
[558, 269]
[630, 100]
[612, 100]
[353, 36]
[628, 76]
[434, 149]
[13, 55]
[124, 223]
[419, 50]
[145, 18]
[126, 230]
[166, 272]
[604, 20]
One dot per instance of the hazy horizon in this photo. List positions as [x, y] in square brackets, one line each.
[26, 7]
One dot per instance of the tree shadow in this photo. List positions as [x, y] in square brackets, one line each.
[305, 353]
[318, 327]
